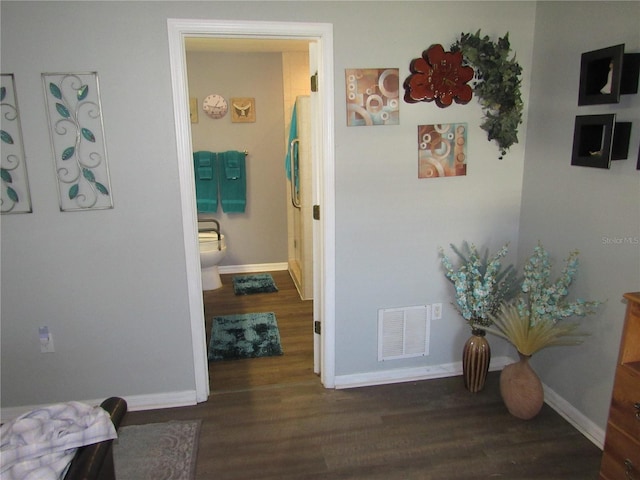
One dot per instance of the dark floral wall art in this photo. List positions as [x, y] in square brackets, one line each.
[442, 77]
[438, 76]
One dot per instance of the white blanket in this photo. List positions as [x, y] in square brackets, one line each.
[40, 444]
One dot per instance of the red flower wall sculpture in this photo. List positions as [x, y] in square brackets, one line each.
[438, 76]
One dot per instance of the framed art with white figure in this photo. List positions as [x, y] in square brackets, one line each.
[243, 110]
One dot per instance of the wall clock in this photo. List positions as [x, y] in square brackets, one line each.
[215, 106]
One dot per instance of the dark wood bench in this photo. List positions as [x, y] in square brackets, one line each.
[95, 462]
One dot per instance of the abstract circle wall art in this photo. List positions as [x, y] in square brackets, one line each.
[442, 150]
[372, 96]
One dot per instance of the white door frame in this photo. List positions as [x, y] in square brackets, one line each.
[178, 29]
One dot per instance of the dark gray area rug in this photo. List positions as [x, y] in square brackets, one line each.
[250, 284]
[245, 335]
[157, 451]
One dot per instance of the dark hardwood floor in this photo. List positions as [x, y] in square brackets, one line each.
[270, 418]
[295, 322]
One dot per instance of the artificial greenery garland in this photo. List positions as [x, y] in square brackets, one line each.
[497, 84]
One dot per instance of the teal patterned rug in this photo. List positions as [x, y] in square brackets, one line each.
[259, 283]
[246, 335]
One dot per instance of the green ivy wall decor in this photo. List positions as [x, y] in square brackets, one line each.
[497, 85]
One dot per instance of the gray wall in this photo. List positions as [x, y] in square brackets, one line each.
[259, 235]
[390, 223]
[594, 211]
[111, 284]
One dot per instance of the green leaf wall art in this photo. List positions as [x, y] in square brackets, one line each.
[14, 196]
[77, 140]
[497, 85]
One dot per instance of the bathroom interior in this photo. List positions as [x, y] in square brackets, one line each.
[269, 228]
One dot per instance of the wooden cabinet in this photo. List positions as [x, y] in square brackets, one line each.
[621, 458]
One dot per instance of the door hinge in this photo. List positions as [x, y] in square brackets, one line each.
[317, 327]
[316, 212]
[314, 82]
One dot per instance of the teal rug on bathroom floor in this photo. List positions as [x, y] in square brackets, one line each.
[258, 283]
[245, 335]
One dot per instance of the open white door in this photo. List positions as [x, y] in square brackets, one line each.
[316, 132]
[324, 230]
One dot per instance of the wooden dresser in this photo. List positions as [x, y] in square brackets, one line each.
[621, 458]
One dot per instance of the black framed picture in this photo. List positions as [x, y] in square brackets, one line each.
[599, 139]
[592, 140]
[600, 76]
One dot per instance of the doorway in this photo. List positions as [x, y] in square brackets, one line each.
[324, 194]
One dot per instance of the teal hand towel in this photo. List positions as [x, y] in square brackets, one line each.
[233, 184]
[293, 134]
[205, 173]
[232, 167]
[205, 169]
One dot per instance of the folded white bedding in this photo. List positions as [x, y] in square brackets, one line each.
[40, 444]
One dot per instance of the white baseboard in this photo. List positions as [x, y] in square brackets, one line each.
[253, 268]
[585, 426]
[414, 374]
[134, 403]
[161, 400]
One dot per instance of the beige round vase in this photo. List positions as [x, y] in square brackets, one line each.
[521, 389]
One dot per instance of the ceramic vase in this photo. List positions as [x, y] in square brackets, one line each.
[476, 356]
[521, 389]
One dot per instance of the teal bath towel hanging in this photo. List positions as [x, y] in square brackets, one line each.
[233, 181]
[293, 134]
[206, 176]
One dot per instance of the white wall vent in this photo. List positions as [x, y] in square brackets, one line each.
[403, 332]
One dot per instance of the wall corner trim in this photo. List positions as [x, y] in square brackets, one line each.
[572, 415]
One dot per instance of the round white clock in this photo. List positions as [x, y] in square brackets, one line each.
[215, 106]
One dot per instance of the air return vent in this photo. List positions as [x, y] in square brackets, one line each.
[403, 332]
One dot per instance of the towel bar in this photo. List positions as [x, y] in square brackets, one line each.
[295, 188]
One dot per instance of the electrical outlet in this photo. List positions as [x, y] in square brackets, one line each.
[436, 311]
[46, 340]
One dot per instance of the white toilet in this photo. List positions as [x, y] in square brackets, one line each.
[212, 251]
